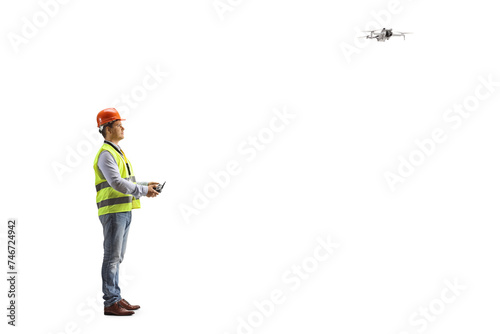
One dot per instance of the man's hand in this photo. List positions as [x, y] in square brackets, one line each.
[151, 191]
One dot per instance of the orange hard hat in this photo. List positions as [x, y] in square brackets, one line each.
[107, 115]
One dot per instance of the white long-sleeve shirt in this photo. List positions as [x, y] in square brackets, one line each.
[109, 169]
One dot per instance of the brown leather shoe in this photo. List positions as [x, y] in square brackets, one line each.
[116, 309]
[125, 304]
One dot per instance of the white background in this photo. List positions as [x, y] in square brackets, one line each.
[322, 176]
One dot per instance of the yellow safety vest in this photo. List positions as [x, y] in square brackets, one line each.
[108, 199]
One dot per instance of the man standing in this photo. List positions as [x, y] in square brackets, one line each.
[117, 194]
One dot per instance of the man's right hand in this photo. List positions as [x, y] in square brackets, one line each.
[151, 191]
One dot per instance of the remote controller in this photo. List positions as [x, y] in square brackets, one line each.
[160, 187]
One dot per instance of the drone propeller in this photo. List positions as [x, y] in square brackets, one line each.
[399, 33]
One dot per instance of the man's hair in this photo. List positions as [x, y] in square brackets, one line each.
[102, 129]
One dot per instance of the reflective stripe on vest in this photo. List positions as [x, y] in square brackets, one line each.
[114, 201]
[109, 200]
[105, 184]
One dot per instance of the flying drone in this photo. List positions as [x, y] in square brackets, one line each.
[383, 34]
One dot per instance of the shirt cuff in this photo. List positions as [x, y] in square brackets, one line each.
[143, 190]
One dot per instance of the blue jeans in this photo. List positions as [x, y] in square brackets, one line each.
[115, 229]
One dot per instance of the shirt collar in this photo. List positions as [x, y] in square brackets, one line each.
[115, 146]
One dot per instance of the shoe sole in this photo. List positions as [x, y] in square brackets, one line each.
[108, 313]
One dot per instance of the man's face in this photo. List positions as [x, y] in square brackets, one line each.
[116, 131]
